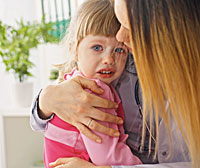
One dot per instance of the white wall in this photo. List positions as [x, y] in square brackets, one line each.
[12, 10]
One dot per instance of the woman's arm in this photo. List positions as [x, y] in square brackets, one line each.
[71, 103]
[37, 123]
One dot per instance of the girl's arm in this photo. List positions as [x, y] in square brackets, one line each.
[74, 162]
[112, 150]
[77, 162]
[161, 165]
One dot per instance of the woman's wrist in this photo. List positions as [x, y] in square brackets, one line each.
[43, 102]
[44, 114]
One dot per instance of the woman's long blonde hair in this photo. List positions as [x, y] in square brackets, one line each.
[94, 17]
[165, 37]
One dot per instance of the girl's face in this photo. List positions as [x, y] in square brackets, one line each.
[123, 33]
[101, 57]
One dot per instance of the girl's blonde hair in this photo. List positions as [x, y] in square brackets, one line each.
[95, 17]
[165, 38]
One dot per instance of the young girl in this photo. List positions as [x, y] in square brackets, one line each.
[100, 57]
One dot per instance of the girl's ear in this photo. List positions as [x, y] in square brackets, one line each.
[76, 62]
[76, 57]
[76, 66]
[76, 54]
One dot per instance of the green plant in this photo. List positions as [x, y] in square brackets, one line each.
[54, 74]
[15, 45]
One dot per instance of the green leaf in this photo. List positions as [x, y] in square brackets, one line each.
[16, 42]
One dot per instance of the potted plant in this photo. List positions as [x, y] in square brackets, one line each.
[15, 46]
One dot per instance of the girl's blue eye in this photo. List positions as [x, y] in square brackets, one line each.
[97, 48]
[119, 50]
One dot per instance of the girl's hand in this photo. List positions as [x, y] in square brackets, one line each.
[73, 162]
[73, 104]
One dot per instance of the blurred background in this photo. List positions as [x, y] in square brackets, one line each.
[30, 31]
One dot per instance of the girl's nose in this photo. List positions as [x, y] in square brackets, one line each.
[108, 59]
[123, 35]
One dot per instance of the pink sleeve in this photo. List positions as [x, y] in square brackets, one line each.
[111, 151]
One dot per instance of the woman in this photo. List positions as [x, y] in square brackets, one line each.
[164, 38]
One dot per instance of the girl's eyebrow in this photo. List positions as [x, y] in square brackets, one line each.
[97, 39]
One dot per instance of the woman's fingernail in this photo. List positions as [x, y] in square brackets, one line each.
[116, 134]
[101, 90]
[98, 140]
[121, 121]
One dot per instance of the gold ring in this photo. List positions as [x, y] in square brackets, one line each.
[89, 123]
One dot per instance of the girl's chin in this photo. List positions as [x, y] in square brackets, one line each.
[105, 80]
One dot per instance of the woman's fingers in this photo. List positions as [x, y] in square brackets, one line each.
[88, 84]
[85, 119]
[96, 126]
[87, 132]
[103, 116]
[97, 101]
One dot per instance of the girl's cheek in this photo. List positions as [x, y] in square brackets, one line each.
[123, 59]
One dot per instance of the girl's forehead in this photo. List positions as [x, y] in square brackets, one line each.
[104, 40]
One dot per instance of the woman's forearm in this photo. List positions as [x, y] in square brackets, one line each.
[45, 102]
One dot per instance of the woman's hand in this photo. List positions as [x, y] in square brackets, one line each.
[73, 104]
[73, 162]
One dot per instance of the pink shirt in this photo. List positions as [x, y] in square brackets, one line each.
[112, 150]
